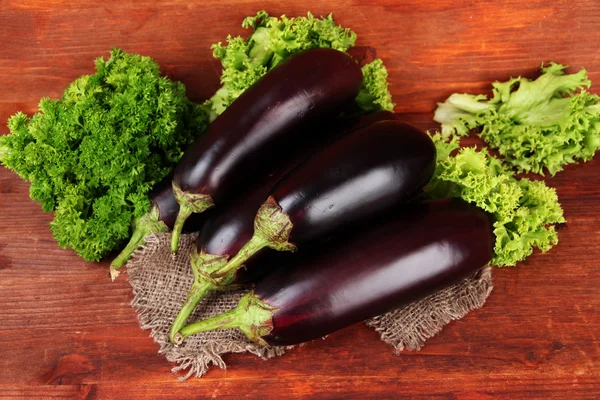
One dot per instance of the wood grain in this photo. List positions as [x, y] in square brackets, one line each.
[66, 331]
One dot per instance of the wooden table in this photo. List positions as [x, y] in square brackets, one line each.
[66, 331]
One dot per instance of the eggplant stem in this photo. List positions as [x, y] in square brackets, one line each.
[198, 291]
[143, 226]
[182, 216]
[252, 316]
[203, 266]
[189, 203]
[226, 320]
[272, 228]
[254, 245]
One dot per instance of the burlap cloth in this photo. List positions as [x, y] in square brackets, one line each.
[160, 285]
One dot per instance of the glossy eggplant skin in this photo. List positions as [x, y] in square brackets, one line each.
[424, 248]
[262, 124]
[164, 200]
[232, 226]
[358, 176]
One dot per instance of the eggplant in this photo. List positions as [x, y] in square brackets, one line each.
[261, 126]
[420, 249]
[161, 218]
[231, 227]
[360, 175]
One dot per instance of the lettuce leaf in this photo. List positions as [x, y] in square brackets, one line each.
[274, 39]
[374, 94]
[536, 125]
[524, 211]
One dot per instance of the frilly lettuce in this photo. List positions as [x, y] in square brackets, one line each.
[374, 94]
[274, 39]
[536, 125]
[524, 211]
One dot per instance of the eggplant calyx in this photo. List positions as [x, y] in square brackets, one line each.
[211, 268]
[143, 226]
[189, 203]
[272, 228]
[252, 316]
[203, 266]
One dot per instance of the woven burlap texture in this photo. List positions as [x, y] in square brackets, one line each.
[160, 285]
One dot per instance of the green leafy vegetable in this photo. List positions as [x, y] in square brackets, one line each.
[374, 94]
[535, 124]
[272, 41]
[93, 155]
[524, 210]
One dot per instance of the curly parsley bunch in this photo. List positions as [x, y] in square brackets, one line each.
[93, 156]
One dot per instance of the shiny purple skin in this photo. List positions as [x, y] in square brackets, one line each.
[163, 198]
[262, 124]
[423, 248]
[232, 226]
[358, 176]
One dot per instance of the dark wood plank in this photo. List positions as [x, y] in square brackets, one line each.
[66, 331]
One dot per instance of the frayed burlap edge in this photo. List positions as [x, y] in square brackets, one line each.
[410, 326]
[160, 284]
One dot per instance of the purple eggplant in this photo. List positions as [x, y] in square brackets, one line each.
[262, 125]
[360, 175]
[231, 227]
[420, 249]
